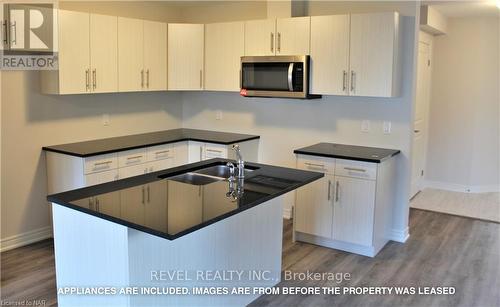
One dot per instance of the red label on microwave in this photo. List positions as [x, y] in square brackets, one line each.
[243, 92]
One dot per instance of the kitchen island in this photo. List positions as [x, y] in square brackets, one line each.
[192, 229]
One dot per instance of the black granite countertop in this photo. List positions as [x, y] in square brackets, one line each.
[172, 209]
[348, 152]
[115, 144]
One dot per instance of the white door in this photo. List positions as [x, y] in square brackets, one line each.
[108, 203]
[132, 202]
[260, 37]
[372, 54]
[353, 211]
[155, 55]
[420, 123]
[224, 46]
[292, 35]
[185, 56]
[130, 55]
[104, 53]
[330, 54]
[314, 207]
[74, 52]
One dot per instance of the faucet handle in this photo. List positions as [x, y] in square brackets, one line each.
[231, 169]
[236, 147]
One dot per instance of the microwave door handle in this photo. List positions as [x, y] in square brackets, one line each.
[290, 73]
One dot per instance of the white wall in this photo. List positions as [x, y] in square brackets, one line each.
[285, 124]
[31, 120]
[463, 149]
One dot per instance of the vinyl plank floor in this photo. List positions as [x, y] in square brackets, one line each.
[442, 250]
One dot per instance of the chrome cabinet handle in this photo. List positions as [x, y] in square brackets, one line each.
[344, 79]
[143, 195]
[142, 78]
[6, 33]
[201, 78]
[134, 157]
[149, 194]
[279, 42]
[355, 169]
[87, 81]
[416, 131]
[353, 78]
[213, 150]
[337, 191]
[201, 153]
[272, 42]
[103, 163]
[97, 204]
[329, 189]
[162, 152]
[91, 205]
[94, 78]
[14, 26]
[314, 165]
[147, 78]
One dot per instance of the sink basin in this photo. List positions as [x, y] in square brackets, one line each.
[195, 179]
[221, 171]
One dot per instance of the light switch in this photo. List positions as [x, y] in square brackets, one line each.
[105, 119]
[218, 115]
[365, 126]
[387, 127]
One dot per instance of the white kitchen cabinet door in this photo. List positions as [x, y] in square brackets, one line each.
[160, 165]
[155, 210]
[185, 206]
[314, 207]
[211, 151]
[131, 72]
[155, 55]
[330, 55]
[373, 55]
[131, 171]
[353, 212]
[108, 203]
[260, 37]
[195, 151]
[74, 52]
[101, 177]
[224, 46]
[132, 202]
[185, 56]
[292, 35]
[104, 53]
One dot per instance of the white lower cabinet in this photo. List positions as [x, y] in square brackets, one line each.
[349, 208]
[199, 151]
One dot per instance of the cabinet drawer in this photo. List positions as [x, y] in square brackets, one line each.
[100, 163]
[132, 157]
[160, 165]
[356, 169]
[160, 152]
[215, 151]
[101, 177]
[134, 170]
[317, 164]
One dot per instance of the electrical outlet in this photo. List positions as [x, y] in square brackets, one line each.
[105, 119]
[365, 126]
[218, 115]
[387, 127]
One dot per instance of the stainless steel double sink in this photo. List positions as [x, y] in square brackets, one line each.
[207, 175]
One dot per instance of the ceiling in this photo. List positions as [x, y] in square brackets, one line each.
[466, 8]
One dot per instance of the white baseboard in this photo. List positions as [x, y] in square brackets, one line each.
[25, 238]
[399, 235]
[461, 188]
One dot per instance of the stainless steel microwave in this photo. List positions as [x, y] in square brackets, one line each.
[275, 76]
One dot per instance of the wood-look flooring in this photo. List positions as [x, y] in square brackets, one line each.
[443, 250]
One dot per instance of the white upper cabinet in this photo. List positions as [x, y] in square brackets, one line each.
[155, 55]
[260, 37]
[185, 56]
[330, 55]
[73, 76]
[130, 54]
[224, 46]
[292, 35]
[104, 53]
[374, 59]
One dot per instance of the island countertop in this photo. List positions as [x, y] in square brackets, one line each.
[156, 204]
[121, 143]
